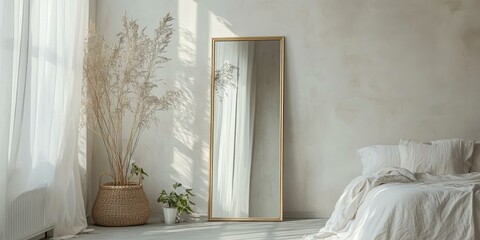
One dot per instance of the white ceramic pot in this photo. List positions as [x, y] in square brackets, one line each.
[169, 215]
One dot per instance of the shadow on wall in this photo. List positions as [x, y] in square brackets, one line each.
[189, 162]
[234, 26]
[190, 158]
[177, 149]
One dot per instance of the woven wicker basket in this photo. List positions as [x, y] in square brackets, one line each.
[118, 206]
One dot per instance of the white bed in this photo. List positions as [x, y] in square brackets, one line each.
[396, 204]
[428, 207]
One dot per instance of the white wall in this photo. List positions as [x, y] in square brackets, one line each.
[358, 72]
[265, 169]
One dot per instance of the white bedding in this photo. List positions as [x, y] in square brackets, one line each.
[395, 204]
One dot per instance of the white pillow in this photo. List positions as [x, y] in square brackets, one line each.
[476, 157]
[440, 157]
[377, 157]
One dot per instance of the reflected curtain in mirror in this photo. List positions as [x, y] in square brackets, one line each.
[234, 108]
[246, 129]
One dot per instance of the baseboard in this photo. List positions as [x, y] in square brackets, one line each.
[203, 216]
[302, 215]
[158, 217]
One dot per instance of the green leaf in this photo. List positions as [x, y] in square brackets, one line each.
[135, 170]
[189, 191]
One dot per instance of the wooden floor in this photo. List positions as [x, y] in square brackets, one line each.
[293, 229]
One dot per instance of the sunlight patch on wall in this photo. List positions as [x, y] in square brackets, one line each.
[187, 22]
[182, 165]
[221, 25]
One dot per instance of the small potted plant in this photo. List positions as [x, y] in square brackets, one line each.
[175, 204]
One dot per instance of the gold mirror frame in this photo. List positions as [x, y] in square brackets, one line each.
[212, 90]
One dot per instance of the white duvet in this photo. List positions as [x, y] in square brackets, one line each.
[396, 204]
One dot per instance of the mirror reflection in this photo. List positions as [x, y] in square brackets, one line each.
[246, 162]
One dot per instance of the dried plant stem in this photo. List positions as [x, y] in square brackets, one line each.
[120, 80]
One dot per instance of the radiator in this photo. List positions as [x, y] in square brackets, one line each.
[26, 215]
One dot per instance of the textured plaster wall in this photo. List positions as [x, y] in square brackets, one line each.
[358, 72]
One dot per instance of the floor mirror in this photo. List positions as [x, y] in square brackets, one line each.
[246, 129]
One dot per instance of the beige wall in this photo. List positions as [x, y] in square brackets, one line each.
[358, 72]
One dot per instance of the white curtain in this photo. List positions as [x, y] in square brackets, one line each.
[233, 131]
[6, 71]
[12, 53]
[42, 72]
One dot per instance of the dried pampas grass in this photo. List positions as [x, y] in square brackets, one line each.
[119, 80]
